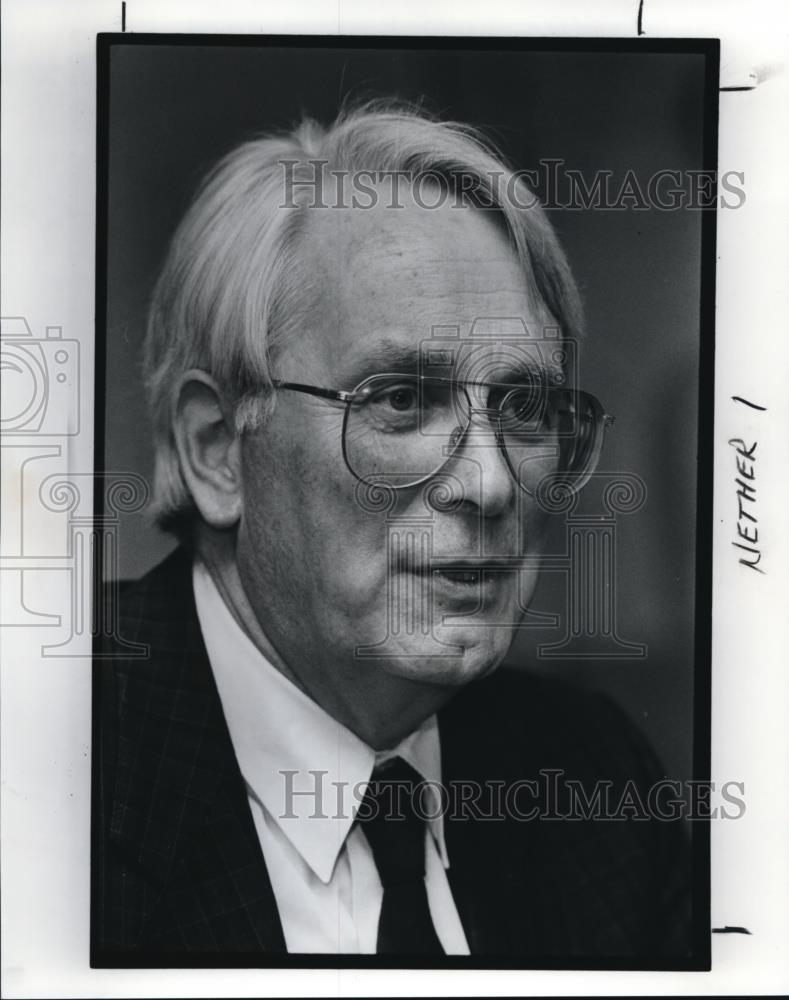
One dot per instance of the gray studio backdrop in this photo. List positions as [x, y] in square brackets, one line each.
[175, 110]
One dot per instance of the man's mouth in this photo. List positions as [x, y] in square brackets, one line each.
[464, 584]
[474, 579]
[467, 576]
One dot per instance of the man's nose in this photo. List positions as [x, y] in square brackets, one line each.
[481, 467]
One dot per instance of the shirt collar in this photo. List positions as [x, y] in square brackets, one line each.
[286, 744]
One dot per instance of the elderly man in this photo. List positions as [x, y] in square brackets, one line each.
[359, 366]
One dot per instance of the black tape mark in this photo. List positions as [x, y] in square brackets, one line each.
[640, 17]
[123, 15]
[730, 930]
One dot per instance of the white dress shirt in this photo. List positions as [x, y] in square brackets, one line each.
[322, 871]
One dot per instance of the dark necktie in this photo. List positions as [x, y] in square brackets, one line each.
[396, 834]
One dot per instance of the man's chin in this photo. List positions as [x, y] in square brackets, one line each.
[448, 664]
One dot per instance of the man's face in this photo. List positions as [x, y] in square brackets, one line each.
[326, 569]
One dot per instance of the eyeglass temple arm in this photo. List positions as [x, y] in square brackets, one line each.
[315, 390]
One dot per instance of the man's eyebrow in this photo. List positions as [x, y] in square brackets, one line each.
[385, 356]
[414, 359]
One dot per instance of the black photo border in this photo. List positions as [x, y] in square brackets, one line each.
[709, 48]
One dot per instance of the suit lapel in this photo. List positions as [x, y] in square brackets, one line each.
[180, 806]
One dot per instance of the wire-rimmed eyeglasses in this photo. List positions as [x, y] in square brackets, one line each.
[400, 430]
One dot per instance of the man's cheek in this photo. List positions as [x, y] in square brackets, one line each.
[534, 524]
[356, 561]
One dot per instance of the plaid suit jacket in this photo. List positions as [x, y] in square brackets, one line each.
[178, 873]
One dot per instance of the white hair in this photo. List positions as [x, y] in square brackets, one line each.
[232, 285]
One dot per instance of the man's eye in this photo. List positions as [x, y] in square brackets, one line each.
[519, 406]
[401, 398]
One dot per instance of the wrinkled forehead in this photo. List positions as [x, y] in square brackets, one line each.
[382, 284]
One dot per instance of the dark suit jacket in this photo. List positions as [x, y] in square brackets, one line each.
[179, 876]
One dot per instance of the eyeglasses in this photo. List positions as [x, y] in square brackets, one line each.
[400, 430]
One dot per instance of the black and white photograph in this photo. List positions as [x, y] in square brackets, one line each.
[407, 351]
[392, 557]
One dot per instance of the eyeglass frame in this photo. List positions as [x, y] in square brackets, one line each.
[348, 398]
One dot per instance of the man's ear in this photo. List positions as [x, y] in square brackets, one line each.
[209, 449]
